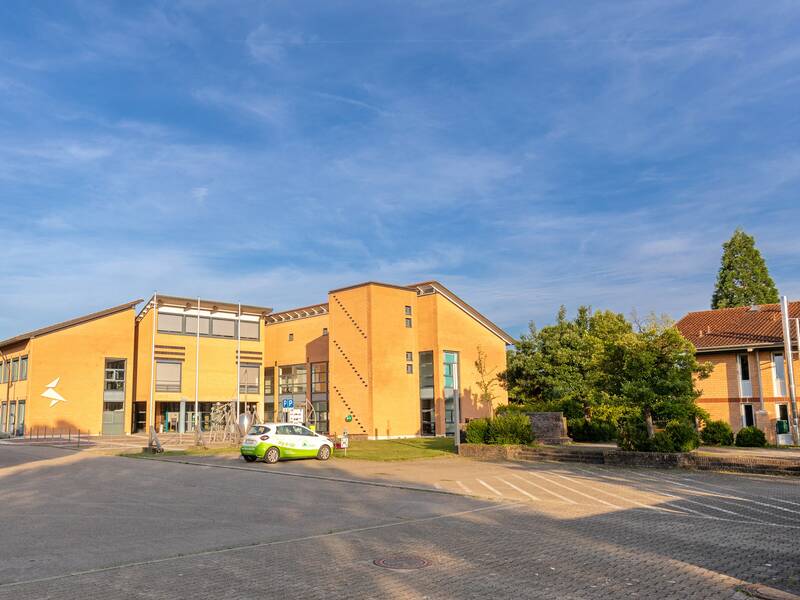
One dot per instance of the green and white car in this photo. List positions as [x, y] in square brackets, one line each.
[271, 442]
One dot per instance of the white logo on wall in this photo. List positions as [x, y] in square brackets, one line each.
[51, 393]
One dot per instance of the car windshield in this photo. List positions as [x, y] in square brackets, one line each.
[258, 430]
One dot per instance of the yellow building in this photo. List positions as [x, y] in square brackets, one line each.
[70, 376]
[375, 360]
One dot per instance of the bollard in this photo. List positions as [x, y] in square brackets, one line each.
[69, 434]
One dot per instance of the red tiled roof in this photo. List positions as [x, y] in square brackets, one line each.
[740, 327]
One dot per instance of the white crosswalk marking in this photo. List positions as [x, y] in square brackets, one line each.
[519, 489]
[488, 487]
[600, 500]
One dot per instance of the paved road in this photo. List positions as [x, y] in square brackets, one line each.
[83, 526]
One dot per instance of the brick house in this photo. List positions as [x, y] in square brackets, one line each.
[748, 385]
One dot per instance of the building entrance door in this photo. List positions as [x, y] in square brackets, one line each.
[113, 418]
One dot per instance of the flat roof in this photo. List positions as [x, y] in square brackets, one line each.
[70, 323]
[213, 305]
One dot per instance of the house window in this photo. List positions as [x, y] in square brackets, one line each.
[249, 330]
[115, 375]
[409, 357]
[269, 381]
[14, 369]
[293, 379]
[319, 378]
[23, 368]
[191, 325]
[748, 417]
[408, 322]
[409, 368]
[248, 378]
[779, 374]
[2, 374]
[168, 376]
[169, 323]
[324, 331]
[223, 328]
[291, 337]
[408, 310]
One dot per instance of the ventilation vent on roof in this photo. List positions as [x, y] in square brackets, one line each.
[755, 308]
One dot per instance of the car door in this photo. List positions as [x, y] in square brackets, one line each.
[308, 441]
[286, 440]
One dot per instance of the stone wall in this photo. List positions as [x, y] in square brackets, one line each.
[549, 427]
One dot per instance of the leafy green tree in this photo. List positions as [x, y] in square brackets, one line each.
[743, 278]
[560, 367]
[653, 373]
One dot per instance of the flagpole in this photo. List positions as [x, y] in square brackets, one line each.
[238, 358]
[151, 407]
[197, 374]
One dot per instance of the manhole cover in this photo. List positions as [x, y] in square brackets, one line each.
[401, 562]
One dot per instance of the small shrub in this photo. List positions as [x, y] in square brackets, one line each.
[582, 430]
[751, 437]
[717, 433]
[683, 436]
[510, 428]
[478, 431]
[632, 434]
[661, 442]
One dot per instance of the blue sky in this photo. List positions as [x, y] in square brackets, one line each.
[525, 154]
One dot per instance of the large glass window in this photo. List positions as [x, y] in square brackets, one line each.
[249, 330]
[14, 369]
[319, 378]
[451, 390]
[248, 378]
[293, 379]
[3, 415]
[169, 323]
[191, 325]
[779, 373]
[23, 368]
[115, 375]
[269, 381]
[2, 372]
[168, 376]
[426, 394]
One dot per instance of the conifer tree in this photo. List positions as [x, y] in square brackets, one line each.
[743, 278]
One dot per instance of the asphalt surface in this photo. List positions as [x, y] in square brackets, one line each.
[76, 525]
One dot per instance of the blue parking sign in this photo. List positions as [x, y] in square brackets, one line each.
[288, 403]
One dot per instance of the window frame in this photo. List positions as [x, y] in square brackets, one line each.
[169, 387]
[293, 387]
[106, 369]
[23, 368]
[409, 323]
[249, 388]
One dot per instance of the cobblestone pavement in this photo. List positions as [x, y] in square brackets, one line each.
[82, 526]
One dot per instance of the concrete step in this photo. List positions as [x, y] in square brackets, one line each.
[563, 454]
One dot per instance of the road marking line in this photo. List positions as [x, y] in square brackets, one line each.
[544, 489]
[488, 487]
[519, 489]
[600, 500]
[724, 498]
[623, 498]
[465, 488]
[703, 504]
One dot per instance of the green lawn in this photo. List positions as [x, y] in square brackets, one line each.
[398, 449]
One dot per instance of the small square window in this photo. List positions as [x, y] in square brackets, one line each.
[408, 323]
[408, 310]
[409, 368]
[291, 337]
[409, 357]
[324, 331]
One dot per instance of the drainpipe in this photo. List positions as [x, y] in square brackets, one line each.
[238, 358]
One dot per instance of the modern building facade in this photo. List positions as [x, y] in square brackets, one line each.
[748, 385]
[375, 360]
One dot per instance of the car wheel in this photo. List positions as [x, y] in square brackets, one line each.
[324, 453]
[272, 455]
[249, 458]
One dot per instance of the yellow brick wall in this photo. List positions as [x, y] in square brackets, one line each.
[76, 355]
